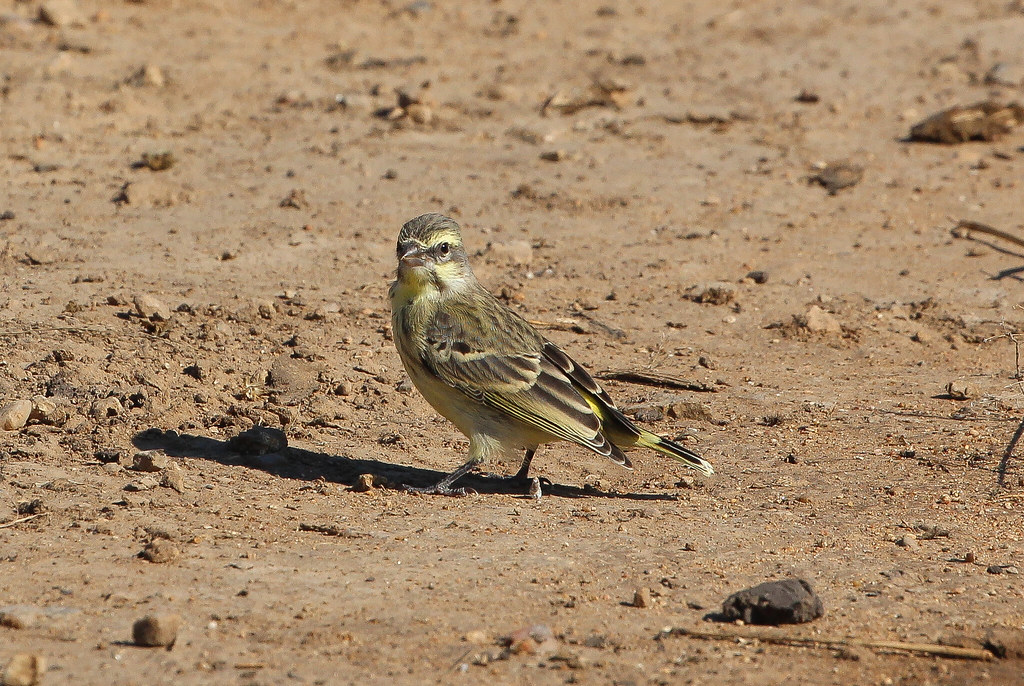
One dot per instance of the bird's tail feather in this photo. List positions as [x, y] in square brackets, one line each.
[675, 451]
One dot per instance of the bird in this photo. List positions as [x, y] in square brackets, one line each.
[490, 373]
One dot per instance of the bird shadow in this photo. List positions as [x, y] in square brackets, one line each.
[310, 465]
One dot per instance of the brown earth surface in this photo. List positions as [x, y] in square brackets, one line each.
[619, 169]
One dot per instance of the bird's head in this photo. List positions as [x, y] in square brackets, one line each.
[431, 254]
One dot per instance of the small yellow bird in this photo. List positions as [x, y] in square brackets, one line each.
[485, 369]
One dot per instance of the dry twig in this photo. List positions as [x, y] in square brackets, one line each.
[935, 649]
[964, 227]
[655, 379]
[19, 521]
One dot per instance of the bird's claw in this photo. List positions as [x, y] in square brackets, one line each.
[439, 489]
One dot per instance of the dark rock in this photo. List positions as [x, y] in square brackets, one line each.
[259, 440]
[156, 630]
[791, 601]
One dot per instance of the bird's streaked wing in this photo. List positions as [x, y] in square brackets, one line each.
[518, 373]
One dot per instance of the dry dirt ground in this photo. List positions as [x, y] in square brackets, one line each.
[619, 169]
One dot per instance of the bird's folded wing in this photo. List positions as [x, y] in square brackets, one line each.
[591, 390]
[526, 386]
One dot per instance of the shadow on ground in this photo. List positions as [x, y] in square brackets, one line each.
[308, 465]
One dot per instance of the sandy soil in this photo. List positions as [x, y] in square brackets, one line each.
[619, 169]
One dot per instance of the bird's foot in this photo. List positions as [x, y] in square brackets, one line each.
[444, 486]
[440, 489]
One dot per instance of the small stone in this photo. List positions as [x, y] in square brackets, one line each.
[106, 407]
[14, 415]
[146, 483]
[961, 390]
[364, 483]
[108, 455]
[420, 113]
[149, 307]
[791, 601]
[706, 362]
[477, 637]
[61, 13]
[174, 480]
[758, 276]
[835, 176]
[112, 468]
[715, 293]
[24, 669]
[147, 75]
[818, 320]
[648, 414]
[908, 541]
[45, 411]
[554, 155]
[343, 389]
[160, 551]
[689, 410]
[531, 640]
[259, 440]
[31, 507]
[155, 631]
[512, 252]
[642, 598]
[158, 161]
[150, 461]
[266, 309]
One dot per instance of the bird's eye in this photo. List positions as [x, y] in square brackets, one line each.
[444, 249]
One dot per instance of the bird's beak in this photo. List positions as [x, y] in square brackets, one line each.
[413, 257]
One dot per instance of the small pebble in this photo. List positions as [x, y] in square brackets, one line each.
[154, 631]
[14, 415]
[24, 670]
[476, 637]
[364, 483]
[44, 410]
[61, 13]
[174, 480]
[642, 598]
[908, 541]
[150, 461]
[707, 362]
[149, 307]
[145, 483]
[159, 551]
[106, 407]
[818, 320]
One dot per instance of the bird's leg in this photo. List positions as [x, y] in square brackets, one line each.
[444, 486]
[524, 469]
[521, 475]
